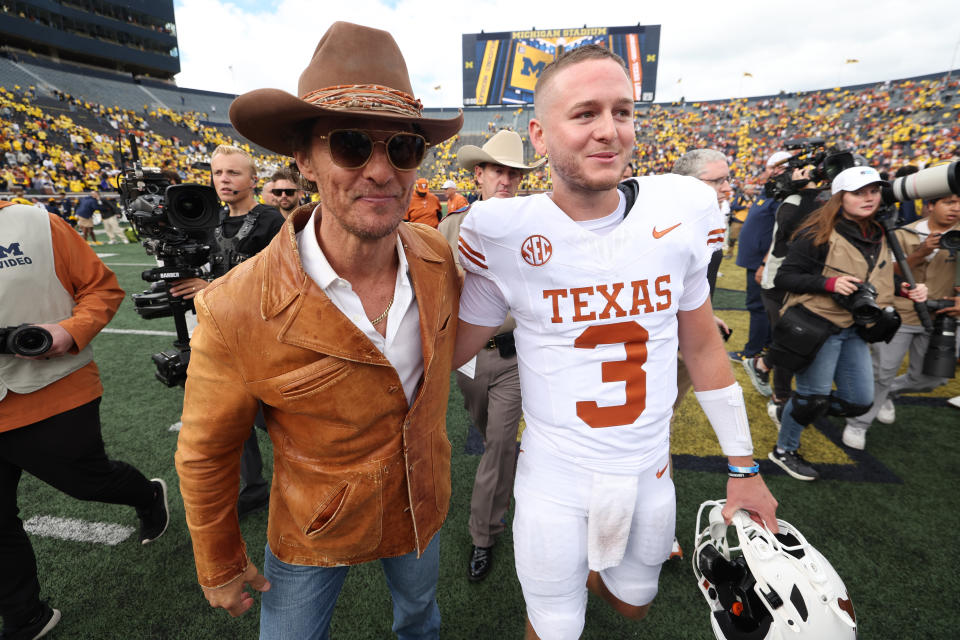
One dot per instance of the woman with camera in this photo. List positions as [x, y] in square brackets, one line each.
[930, 248]
[839, 275]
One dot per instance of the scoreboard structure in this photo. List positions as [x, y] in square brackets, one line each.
[503, 68]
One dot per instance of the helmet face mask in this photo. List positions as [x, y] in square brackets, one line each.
[765, 586]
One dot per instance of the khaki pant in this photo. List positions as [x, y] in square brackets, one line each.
[492, 398]
[111, 227]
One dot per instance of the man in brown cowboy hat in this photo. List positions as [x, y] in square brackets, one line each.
[492, 393]
[347, 343]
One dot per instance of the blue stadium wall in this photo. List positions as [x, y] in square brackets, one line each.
[135, 36]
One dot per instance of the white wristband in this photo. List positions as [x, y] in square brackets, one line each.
[727, 414]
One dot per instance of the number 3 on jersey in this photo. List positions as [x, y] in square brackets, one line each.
[630, 371]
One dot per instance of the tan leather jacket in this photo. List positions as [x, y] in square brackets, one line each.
[358, 475]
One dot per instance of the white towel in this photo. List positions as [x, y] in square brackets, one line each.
[612, 501]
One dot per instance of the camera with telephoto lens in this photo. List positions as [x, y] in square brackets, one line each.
[940, 360]
[826, 162]
[175, 223]
[25, 340]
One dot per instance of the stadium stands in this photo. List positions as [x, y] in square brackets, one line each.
[55, 112]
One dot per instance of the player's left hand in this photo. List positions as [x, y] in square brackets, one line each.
[751, 495]
[62, 342]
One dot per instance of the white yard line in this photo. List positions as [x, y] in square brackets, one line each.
[78, 530]
[139, 332]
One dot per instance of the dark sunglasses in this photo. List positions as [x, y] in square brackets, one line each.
[353, 148]
[283, 192]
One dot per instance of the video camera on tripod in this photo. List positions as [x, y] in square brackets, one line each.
[827, 162]
[175, 223]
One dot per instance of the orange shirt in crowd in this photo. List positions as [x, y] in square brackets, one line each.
[424, 208]
[456, 203]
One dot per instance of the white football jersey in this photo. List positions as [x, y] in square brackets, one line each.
[596, 314]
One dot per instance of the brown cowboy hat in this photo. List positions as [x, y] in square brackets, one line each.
[355, 70]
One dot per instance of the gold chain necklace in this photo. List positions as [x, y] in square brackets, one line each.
[383, 315]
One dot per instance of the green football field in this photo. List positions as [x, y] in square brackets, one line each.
[886, 518]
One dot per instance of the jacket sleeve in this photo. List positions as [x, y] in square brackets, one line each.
[94, 287]
[218, 413]
[801, 271]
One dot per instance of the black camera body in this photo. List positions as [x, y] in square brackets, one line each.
[874, 323]
[175, 223]
[827, 162]
[940, 360]
[950, 241]
[25, 340]
[862, 304]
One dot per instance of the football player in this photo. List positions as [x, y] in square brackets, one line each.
[604, 284]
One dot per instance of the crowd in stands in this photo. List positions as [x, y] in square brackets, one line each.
[63, 144]
[70, 145]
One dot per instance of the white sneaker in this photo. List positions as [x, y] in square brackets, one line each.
[887, 413]
[855, 437]
[954, 402]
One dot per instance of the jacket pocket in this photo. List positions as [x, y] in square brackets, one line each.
[340, 511]
[311, 379]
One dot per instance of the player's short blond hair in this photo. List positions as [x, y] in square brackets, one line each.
[230, 150]
[568, 58]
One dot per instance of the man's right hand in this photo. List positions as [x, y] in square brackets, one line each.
[188, 287]
[233, 596]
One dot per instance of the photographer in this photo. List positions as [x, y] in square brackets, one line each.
[246, 228]
[937, 268]
[833, 254]
[49, 402]
[805, 198]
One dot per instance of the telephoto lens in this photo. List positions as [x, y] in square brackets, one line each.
[940, 360]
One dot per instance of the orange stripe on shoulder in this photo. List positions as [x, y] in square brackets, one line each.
[468, 256]
[469, 249]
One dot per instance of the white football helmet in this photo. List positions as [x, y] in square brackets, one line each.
[765, 586]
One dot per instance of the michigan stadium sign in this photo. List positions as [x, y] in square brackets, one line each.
[503, 68]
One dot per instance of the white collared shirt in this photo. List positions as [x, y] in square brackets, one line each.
[401, 345]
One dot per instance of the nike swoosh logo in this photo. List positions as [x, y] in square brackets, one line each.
[660, 234]
[662, 471]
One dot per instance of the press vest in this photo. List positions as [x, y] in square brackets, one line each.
[32, 294]
[939, 274]
[843, 258]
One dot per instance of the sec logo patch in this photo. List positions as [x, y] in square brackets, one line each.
[536, 250]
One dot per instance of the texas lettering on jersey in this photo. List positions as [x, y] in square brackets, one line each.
[602, 302]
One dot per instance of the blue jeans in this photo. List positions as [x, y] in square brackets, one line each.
[299, 604]
[845, 359]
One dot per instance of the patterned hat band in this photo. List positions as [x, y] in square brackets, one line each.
[365, 96]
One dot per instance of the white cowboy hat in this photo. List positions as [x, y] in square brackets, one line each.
[504, 148]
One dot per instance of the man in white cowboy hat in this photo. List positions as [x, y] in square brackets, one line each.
[492, 393]
[346, 342]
